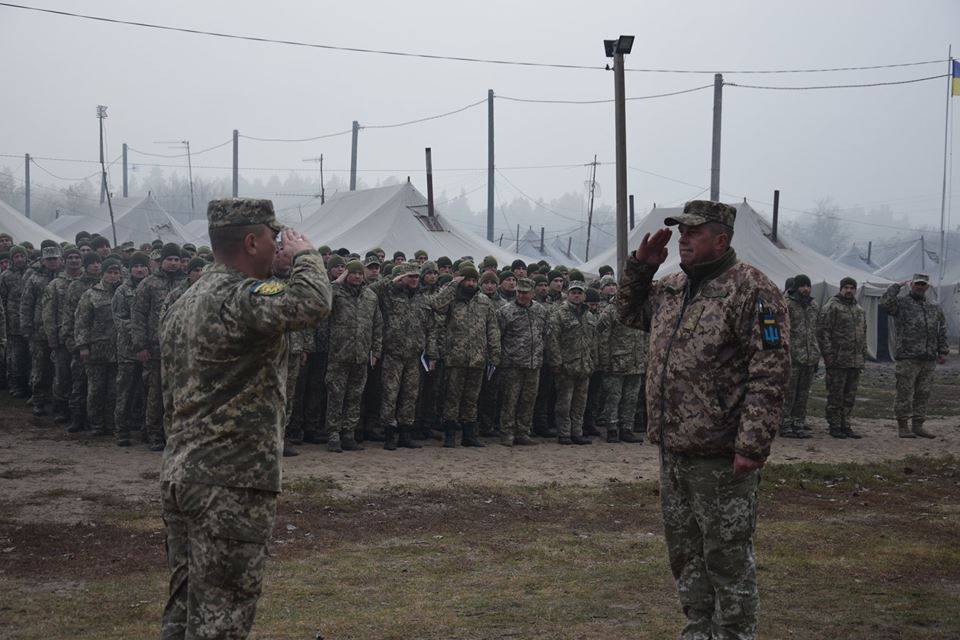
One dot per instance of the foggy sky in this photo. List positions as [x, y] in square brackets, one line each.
[860, 146]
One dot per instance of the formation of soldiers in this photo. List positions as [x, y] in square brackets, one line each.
[413, 349]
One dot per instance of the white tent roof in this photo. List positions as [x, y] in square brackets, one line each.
[138, 219]
[69, 226]
[530, 249]
[854, 257]
[23, 228]
[393, 218]
[915, 258]
[197, 232]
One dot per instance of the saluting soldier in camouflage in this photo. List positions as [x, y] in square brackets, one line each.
[78, 372]
[31, 323]
[622, 362]
[57, 317]
[718, 363]
[842, 333]
[95, 337]
[18, 348]
[488, 403]
[572, 356]
[523, 334]
[921, 333]
[145, 332]
[130, 391]
[356, 327]
[804, 356]
[223, 342]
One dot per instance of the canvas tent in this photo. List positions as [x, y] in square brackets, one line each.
[529, 248]
[779, 260]
[197, 232]
[853, 256]
[69, 226]
[21, 228]
[393, 218]
[138, 219]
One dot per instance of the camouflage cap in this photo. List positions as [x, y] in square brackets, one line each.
[50, 252]
[428, 267]
[407, 269]
[607, 281]
[371, 259]
[697, 212]
[578, 285]
[129, 246]
[524, 284]
[921, 277]
[235, 212]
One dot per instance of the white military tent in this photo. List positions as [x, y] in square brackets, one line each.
[394, 218]
[21, 228]
[779, 260]
[529, 248]
[138, 219]
[853, 256]
[69, 226]
[197, 232]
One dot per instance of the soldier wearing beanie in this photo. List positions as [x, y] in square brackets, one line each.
[444, 265]
[6, 241]
[32, 323]
[508, 286]
[540, 288]
[555, 283]
[148, 299]
[193, 269]
[128, 414]
[18, 347]
[57, 317]
[488, 408]
[489, 264]
[420, 256]
[77, 372]
[428, 401]
[101, 245]
[488, 285]
[336, 265]
[519, 268]
[842, 336]
[804, 356]
[572, 355]
[399, 257]
[605, 270]
[428, 277]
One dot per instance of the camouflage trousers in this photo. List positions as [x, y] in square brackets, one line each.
[41, 372]
[462, 393]
[128, 414]
[571, 402]
[709, 518]
[519, 398]
[544, 411]
[292, 428]
[489, 403]
[841, 394]
[101, 379]
[18, 363]
[914, 383]
[153, 401]
[345, 382]
[312, 412]
[61, 377]
[796, 395]
[78, 387]
[216, 542]
[401, 384]
[618, 402]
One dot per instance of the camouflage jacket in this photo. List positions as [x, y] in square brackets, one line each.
[804, 314]
[714, 388]
[224, 344]
[122, 305]
[497, 300]
[356, 324]
[621, 349]
[94, 327]
[471, 336]
[572, 339]
[921, 328]
[74, 292]
[55, 308]
[842, 333]
[145, 312]
[31, 304]
[409, 322]
[523, 335]
[11, 286]
[173, 296]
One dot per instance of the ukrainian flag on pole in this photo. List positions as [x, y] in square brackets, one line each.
[956, 77]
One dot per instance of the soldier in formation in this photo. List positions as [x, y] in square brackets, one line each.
[842, 335]
[804, 356]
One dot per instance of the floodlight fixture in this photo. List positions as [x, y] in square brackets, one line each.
[624, 44]
[610, 47]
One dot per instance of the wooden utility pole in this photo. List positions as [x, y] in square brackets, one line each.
[715, 154]
[26, 184]
[101, 114]
[776, 214]
[353, 156]
[569, 246]
[869, 249]
[621, 133]
[430, 211]
[322, 190]
[236, 163]
[193, 207]
[943, 193]
[518, 238]
[126, 191]
[542, 248]
[490, 165]
[631, 212]
[593, 187]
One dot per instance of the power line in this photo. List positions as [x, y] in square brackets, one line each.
[439, 115]
[320, 137]
[836, 86]
[428, 56]
[179, 155]
[604, 100]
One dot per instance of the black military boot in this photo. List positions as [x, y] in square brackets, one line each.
[61, 415]
[581, 440]
[349, 444]
[524, 440]
[847, 431]
[449, 434]
[470, 438]
[76, 425]
[613, 436]
[406, 440]
[919, 431]
[629, 436]
[288, 450]
[390, 438]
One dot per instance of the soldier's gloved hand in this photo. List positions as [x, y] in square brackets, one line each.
[653, 249]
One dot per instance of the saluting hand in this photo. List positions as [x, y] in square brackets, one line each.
[293, 242]
[653, 249]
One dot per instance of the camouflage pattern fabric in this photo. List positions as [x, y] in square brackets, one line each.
[618, 404]
[621, 349]
[153, 418]
[519, 398]
[471, 334]
[804, 316]
[571, 402]
[223, 342]
[61, 387]
[314, 382]
[408, 321]
[291, 429]
[461, 392]
[129, 391]
[489, 403]
[356, 324]
[145, 311]
[11, 288]
[842, 333]
[31, 324]
[71, 301]
[797, 394]
[914, 384]
[841, 394]
[345, 382]
[122, 309]
[714, 389]
[921, 328]
[216, 541]
[400, 383]
[572, 340]
[78, 393]
[523, 335]
[101, 380]
[709, 518]
[55, 309]
[18, 363]
[41, 373]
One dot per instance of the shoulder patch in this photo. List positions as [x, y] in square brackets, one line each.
[268, 288]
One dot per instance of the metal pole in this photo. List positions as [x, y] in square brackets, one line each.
[500, 241]
[776, 214]
[429, 184]
[569, 246]
[353, 157]
[869, 249]
[126, 191]
[943, 193]
[621, 131]
[631, 213]
[490, 165]
[26, 184]
[193, 207]
[101, 114]
[518, 238]
[542, 248]
[103, 174]
[715, 155]
[236, 163]
[322, 191]
[593, 186]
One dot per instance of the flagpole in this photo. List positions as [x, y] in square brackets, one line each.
[943, 193]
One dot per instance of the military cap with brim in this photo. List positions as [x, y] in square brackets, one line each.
[577, 285]
[236, 212]
[371, 259]
[50, 252]
[921, 277]
[524, 284]
[697, 212]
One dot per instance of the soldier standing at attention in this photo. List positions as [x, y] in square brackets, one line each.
[572, 356]
[717, 368]
[842, 333]
[622, 363]
[129, 369]
[921, 330]
[57, 320]
[92, 268]
[18, 348]
[223, 341]
[31, 323]
[145, 332]
[804, 355]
